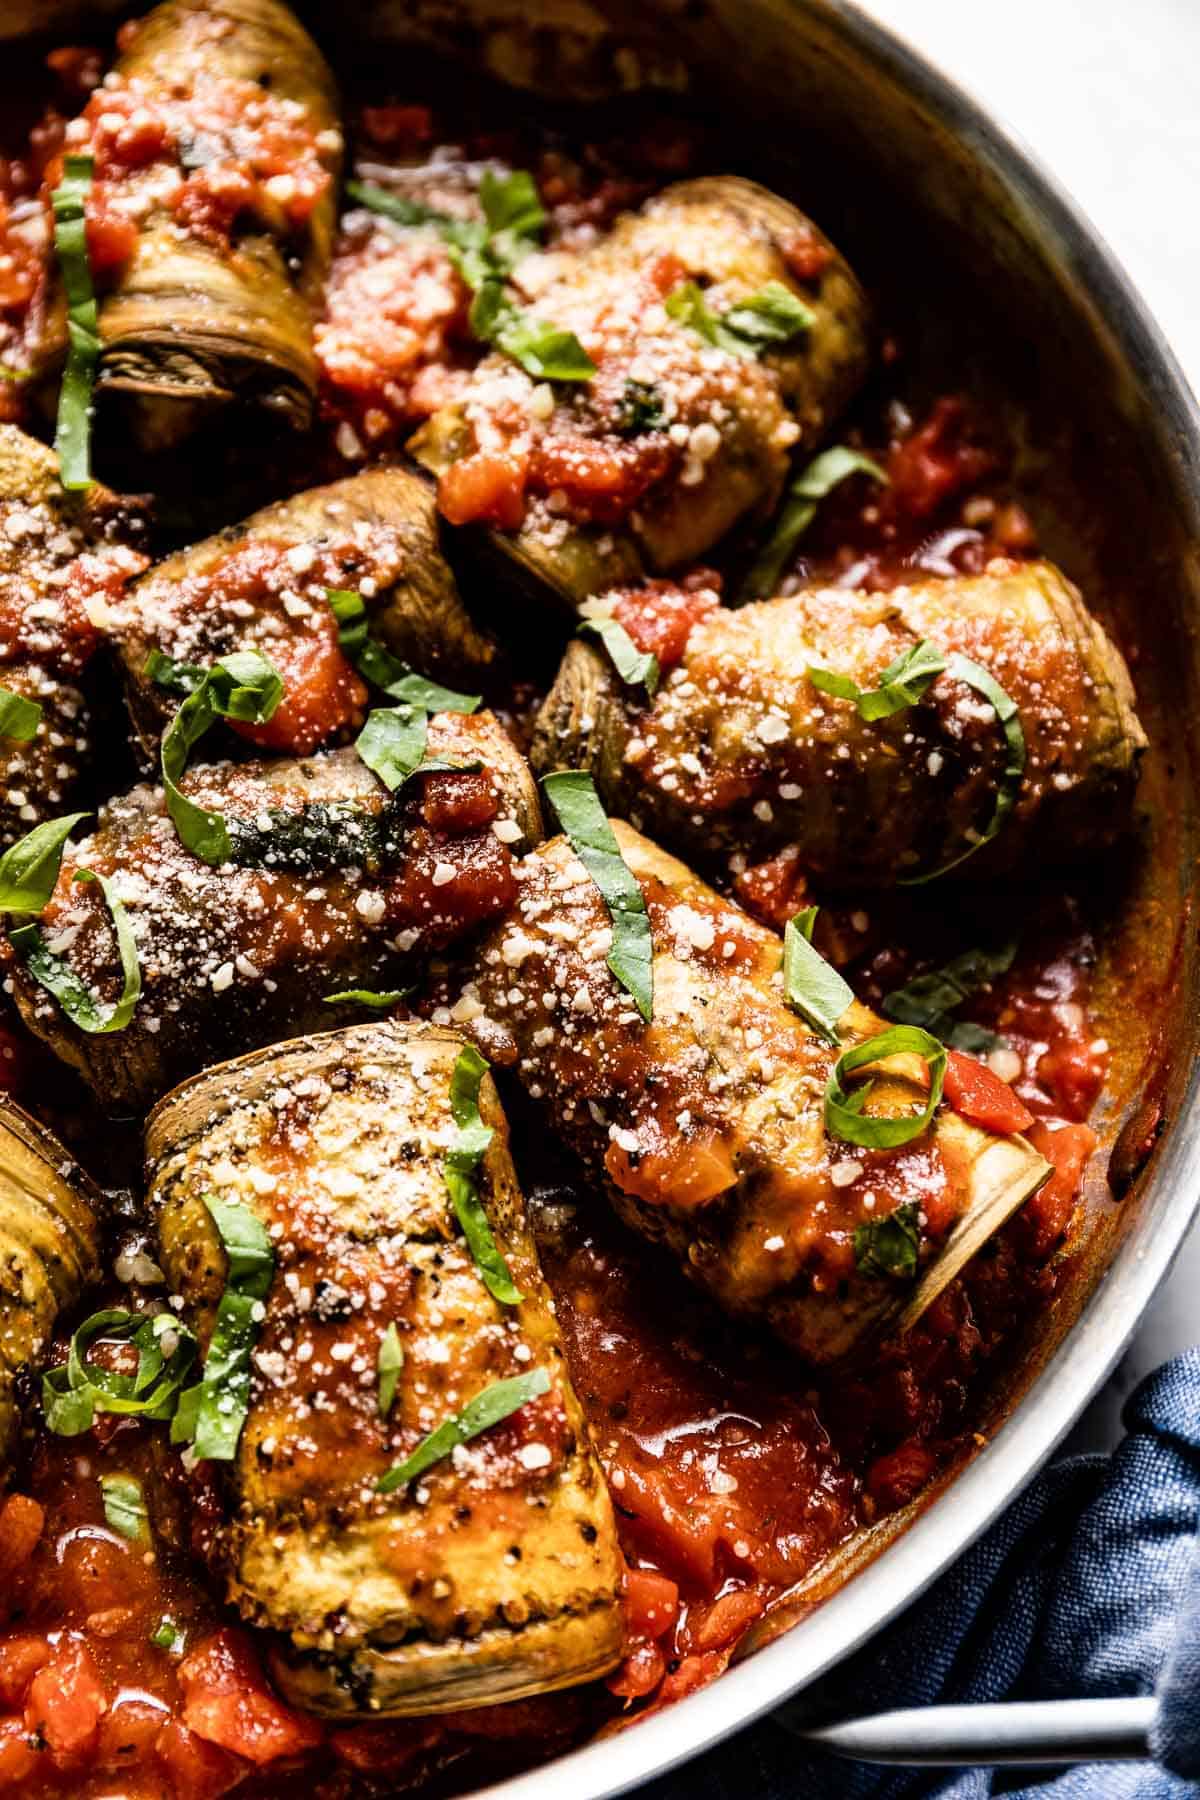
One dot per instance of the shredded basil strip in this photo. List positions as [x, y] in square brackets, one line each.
[367, 997]
[72, 438]
[460, 1170]
[929, 1000]
[843, 1117]
[125, 1507]
[478, 1415]
[381, 668]
[637, 668]
[901, 685]
[814, 482]
[961, 668]
[178, 677]
[389, 1363]
[889, 1246]
[242, 686]
[485, 252]
[813, 987]
[19, 717]
[167, 1634]
[773, 315]
[74, 1392]
[572, 794]
[29, 868]
[392, 745]
[57, 976]
[212, 1413]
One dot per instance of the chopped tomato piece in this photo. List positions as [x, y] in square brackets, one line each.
[67, 1702]
[773, 890]
[197, 1770]
[640, 1673]
[651, 1602]
[726, 1619]
[487, 488]
[1046, 1215]
[661, 617]
[935, 462]
[601, 478]
[685, 1173]
[128, 1733]
[982, 1098]
[1073, 1072]
[18, 1754]
[458, 803]
[111, 237]
[322, 694]
[895, 1479]
[22, 1522]
[392, 125]
[693, 1672]
[227, 1700]
[20, 1660]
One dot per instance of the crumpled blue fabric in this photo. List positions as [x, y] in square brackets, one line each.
[1088, 1585]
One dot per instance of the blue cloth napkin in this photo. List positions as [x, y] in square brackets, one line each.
[1088, 1585]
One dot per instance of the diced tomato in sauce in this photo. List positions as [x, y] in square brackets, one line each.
[322, 694]
[487, 488]
[660, 616]
[227, 1701]
[982, 1098]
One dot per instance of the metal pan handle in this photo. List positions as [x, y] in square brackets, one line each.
[1017, 1731]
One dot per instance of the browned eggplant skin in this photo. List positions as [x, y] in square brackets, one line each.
[738, 751]
[706, 1126]
[730, 235]
[44, 531]
[379, 528]
[338, 887]
[497, 1575]
[49, 1252]
[190, 327]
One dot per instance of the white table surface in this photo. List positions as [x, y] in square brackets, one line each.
[1107, 94]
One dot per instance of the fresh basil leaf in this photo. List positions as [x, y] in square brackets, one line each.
[929, 1000]
[545, 351]
[890, 1246]
[397, 207]
[773, 315]
[640, 408]
[637, 668]
[901, 684]
[480, 1414]
[19, 717]
[56, 975]
[75, 1391]
[125, 1507]
[961, 668]
[167, 1635]
[72, 438]
[572, 794]
[514, 213]
[213, 1412]
[460, 1171]
[976, 1040]
[177, 677]
[378, 666]
[29, 868]
[843, 1117]
[389, 1363]
[813, 987]
[814, 482]
[242, 686]
[392, 743]
[379, 1002]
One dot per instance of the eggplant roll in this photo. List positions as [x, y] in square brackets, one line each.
[61, 561]
[262, 585]
[218, 133]
[49, 1252]
[740, 751]
[496, 1573]
[677, 438]
[706, 1126]
[334, 885]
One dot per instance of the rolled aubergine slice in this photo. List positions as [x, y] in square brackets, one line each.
[740, 751]
[677, 438]
[706, 1126]
[334, 886]
[493, 1574]
[62, 562]
[218, 132]
[49, 1251]
[263, 585]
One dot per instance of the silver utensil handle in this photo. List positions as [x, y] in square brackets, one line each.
[1017, 1731]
